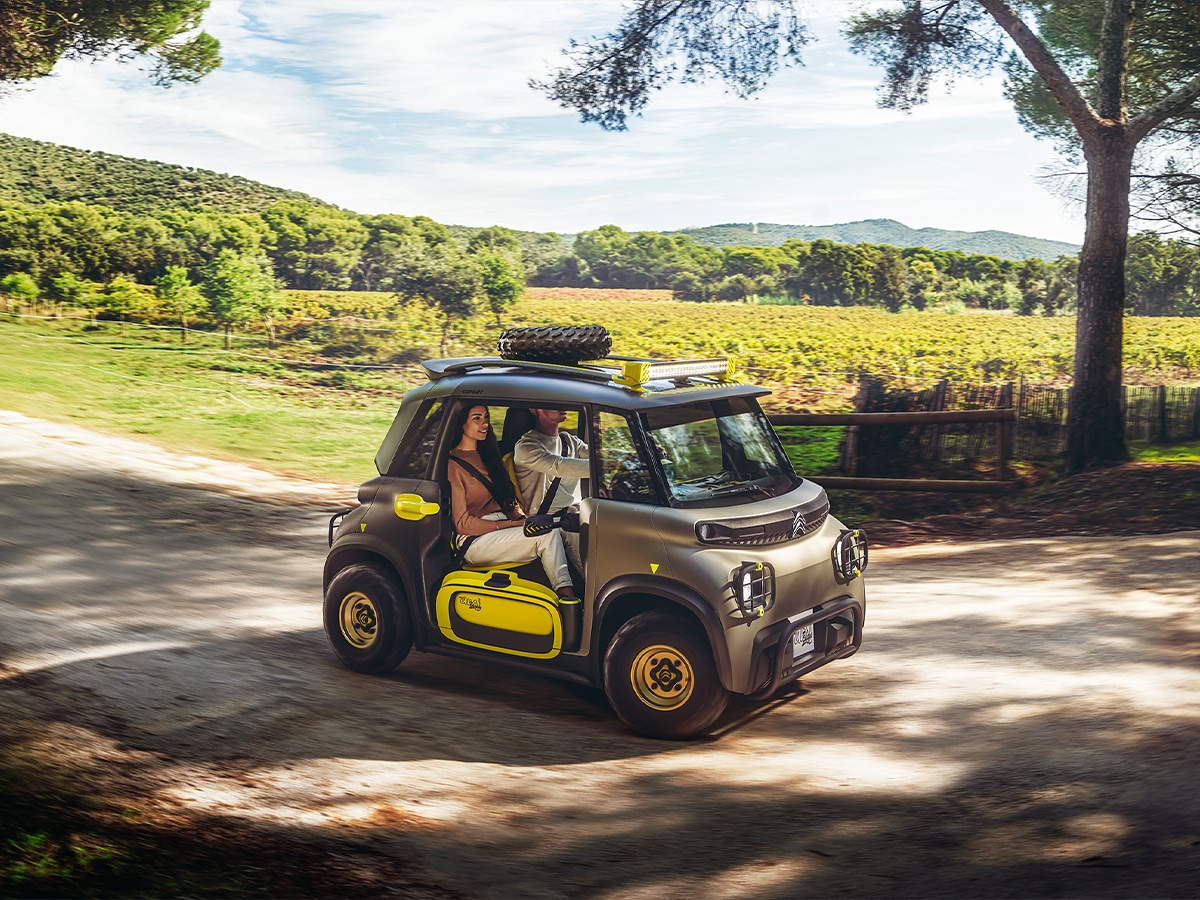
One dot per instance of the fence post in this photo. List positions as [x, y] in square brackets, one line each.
[1004, 432]
[937, 404]
[1161, 400]
[1019, 407]
[850, 448]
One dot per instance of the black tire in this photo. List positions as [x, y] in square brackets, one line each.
[366, 621]
[661, 679]
[564, 344]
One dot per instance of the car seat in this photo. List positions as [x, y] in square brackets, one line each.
[517, 421]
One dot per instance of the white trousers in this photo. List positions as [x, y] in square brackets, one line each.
[509, 545]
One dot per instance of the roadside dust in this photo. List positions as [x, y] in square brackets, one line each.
[1021, 720]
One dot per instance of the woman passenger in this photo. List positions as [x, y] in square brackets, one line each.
[487, 518]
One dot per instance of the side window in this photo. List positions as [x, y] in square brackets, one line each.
[573, 424]
[623, 473]
[413, 459]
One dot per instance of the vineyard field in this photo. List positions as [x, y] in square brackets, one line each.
[801, 345]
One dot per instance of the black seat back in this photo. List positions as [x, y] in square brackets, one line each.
[517, 421]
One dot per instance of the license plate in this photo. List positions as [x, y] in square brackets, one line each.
[803, 641]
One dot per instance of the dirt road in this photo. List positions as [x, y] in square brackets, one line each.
[1023, 719]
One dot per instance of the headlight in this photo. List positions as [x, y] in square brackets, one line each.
[754, 587]
[849, 555]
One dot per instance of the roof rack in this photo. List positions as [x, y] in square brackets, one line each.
[440, 368]
[631, 372]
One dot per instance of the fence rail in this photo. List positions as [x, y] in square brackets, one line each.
[943, 417]
[896, 432]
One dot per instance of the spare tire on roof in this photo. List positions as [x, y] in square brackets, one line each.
[563, 344]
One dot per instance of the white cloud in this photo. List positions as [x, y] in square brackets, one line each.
[423, 107]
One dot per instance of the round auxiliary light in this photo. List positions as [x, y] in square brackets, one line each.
[849, 555]
[754, 587]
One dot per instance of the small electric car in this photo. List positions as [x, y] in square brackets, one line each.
[710, 567]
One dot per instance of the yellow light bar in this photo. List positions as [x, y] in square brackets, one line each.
[635, 373]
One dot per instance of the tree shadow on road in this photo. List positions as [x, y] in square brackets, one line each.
[1020, 722]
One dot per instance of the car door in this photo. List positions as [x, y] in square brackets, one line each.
[621, 538]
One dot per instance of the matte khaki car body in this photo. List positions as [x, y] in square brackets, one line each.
[710, 567]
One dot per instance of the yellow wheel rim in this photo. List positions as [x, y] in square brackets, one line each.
[359, 620]
[662, 677]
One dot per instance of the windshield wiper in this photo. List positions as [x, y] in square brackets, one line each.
[740, 489]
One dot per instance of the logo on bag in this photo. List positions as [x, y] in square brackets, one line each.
[470, 602]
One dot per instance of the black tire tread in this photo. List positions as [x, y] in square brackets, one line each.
[396, 639]
[562, 344]
[710, 696]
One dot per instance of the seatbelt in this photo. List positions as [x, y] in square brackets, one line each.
[468, 539]
[480, 477]
[553, 488]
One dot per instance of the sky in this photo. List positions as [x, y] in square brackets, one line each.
[424, 108]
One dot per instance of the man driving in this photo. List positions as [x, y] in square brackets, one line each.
[546, 458]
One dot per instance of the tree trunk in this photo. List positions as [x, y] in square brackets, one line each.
[183, 330]
[445, 336]
[270, 332]
[228, 337]
[1096, 428]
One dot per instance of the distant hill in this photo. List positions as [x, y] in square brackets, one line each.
[884, 231]
[40, 172]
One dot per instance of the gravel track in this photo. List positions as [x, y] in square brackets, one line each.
[1023, 717]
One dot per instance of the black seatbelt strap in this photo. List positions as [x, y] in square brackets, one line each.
[552, 489]
[461, 542]
[480, 477]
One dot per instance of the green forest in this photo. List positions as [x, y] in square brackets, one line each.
[122, 237]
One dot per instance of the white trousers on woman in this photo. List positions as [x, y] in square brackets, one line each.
[509, 545]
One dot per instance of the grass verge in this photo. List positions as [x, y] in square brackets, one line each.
[201, 398]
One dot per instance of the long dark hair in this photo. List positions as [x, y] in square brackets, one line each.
[489, 452]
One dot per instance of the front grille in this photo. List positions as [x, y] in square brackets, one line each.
[773, 528]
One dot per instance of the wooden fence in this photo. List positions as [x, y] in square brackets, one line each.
[1000, 420]
[901, 439]
[1161, 414]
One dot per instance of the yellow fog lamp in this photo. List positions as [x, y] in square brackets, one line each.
[849, 555]
[754, 587]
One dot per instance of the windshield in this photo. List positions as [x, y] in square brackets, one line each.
[718, 450]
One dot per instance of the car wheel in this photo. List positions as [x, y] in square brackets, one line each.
[566, 344]
[366, 621]
[660, 677]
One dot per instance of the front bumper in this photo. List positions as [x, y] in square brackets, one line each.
[836, 632]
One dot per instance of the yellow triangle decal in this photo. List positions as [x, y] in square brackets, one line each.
[362, 526]
[653, 568]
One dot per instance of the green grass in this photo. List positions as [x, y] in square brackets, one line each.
[1183, 452]
[813, 450]
[260, 406]
[200, 398]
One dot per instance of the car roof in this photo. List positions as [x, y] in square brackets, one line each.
[494, 378]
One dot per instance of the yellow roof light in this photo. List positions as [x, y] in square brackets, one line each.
[635, 373]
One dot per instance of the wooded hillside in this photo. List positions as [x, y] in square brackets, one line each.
[39, 172]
